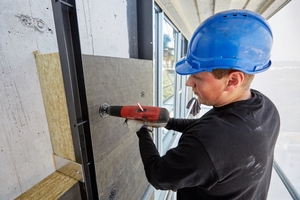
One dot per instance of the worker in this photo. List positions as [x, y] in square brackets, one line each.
[228, 152]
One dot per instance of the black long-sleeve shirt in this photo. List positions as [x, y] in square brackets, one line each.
[226, 154]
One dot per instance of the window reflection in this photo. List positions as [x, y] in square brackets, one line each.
[168, 72]
[280, 85]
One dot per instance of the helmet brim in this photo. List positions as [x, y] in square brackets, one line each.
[183, 67]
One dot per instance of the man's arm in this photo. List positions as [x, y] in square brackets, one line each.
[187, 165]
[179, 124]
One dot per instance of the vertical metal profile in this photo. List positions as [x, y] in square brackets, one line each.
[65, 18]
[132, 29]
[178, 85]
[145, 28]
[158, 72]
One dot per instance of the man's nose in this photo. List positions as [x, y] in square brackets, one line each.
[189, 82]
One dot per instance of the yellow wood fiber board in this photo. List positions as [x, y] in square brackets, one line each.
[53, 93]
[52, 187]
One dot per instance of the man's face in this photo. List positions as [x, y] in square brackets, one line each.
[208, 89]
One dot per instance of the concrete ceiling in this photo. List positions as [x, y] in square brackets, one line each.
[188, 14]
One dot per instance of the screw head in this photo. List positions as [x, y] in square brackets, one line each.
[143, 93]
[113, 193]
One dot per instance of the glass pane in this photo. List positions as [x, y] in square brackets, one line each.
[168, 66]
[287, 155]
[168, 76]
[277, 190]
[281, 85]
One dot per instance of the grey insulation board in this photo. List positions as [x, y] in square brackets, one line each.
[117, 81]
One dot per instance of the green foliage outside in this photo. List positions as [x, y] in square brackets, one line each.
[168, 84]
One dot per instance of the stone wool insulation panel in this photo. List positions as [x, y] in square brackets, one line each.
[117, 81]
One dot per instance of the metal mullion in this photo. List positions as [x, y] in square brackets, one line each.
[159, 76]
[178, 87]
[66, 25]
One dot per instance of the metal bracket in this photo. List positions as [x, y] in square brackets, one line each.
[69, 168]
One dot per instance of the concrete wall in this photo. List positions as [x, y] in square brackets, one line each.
[103, 27]
[28, 26]
[25, 147]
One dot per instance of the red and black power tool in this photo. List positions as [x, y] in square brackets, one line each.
[149, 115]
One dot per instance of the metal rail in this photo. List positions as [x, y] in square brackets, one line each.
[293, 192]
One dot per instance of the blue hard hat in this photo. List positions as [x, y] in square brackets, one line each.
[233, 39]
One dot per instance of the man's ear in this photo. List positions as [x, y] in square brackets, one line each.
[234, 80]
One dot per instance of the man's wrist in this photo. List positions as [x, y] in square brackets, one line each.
[143, 130]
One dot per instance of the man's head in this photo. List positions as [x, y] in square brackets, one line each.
[224, 53]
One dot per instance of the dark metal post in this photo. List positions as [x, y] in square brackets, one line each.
[145, 13]
[67, 33]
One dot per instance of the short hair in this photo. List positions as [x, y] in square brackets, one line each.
[220, 73]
